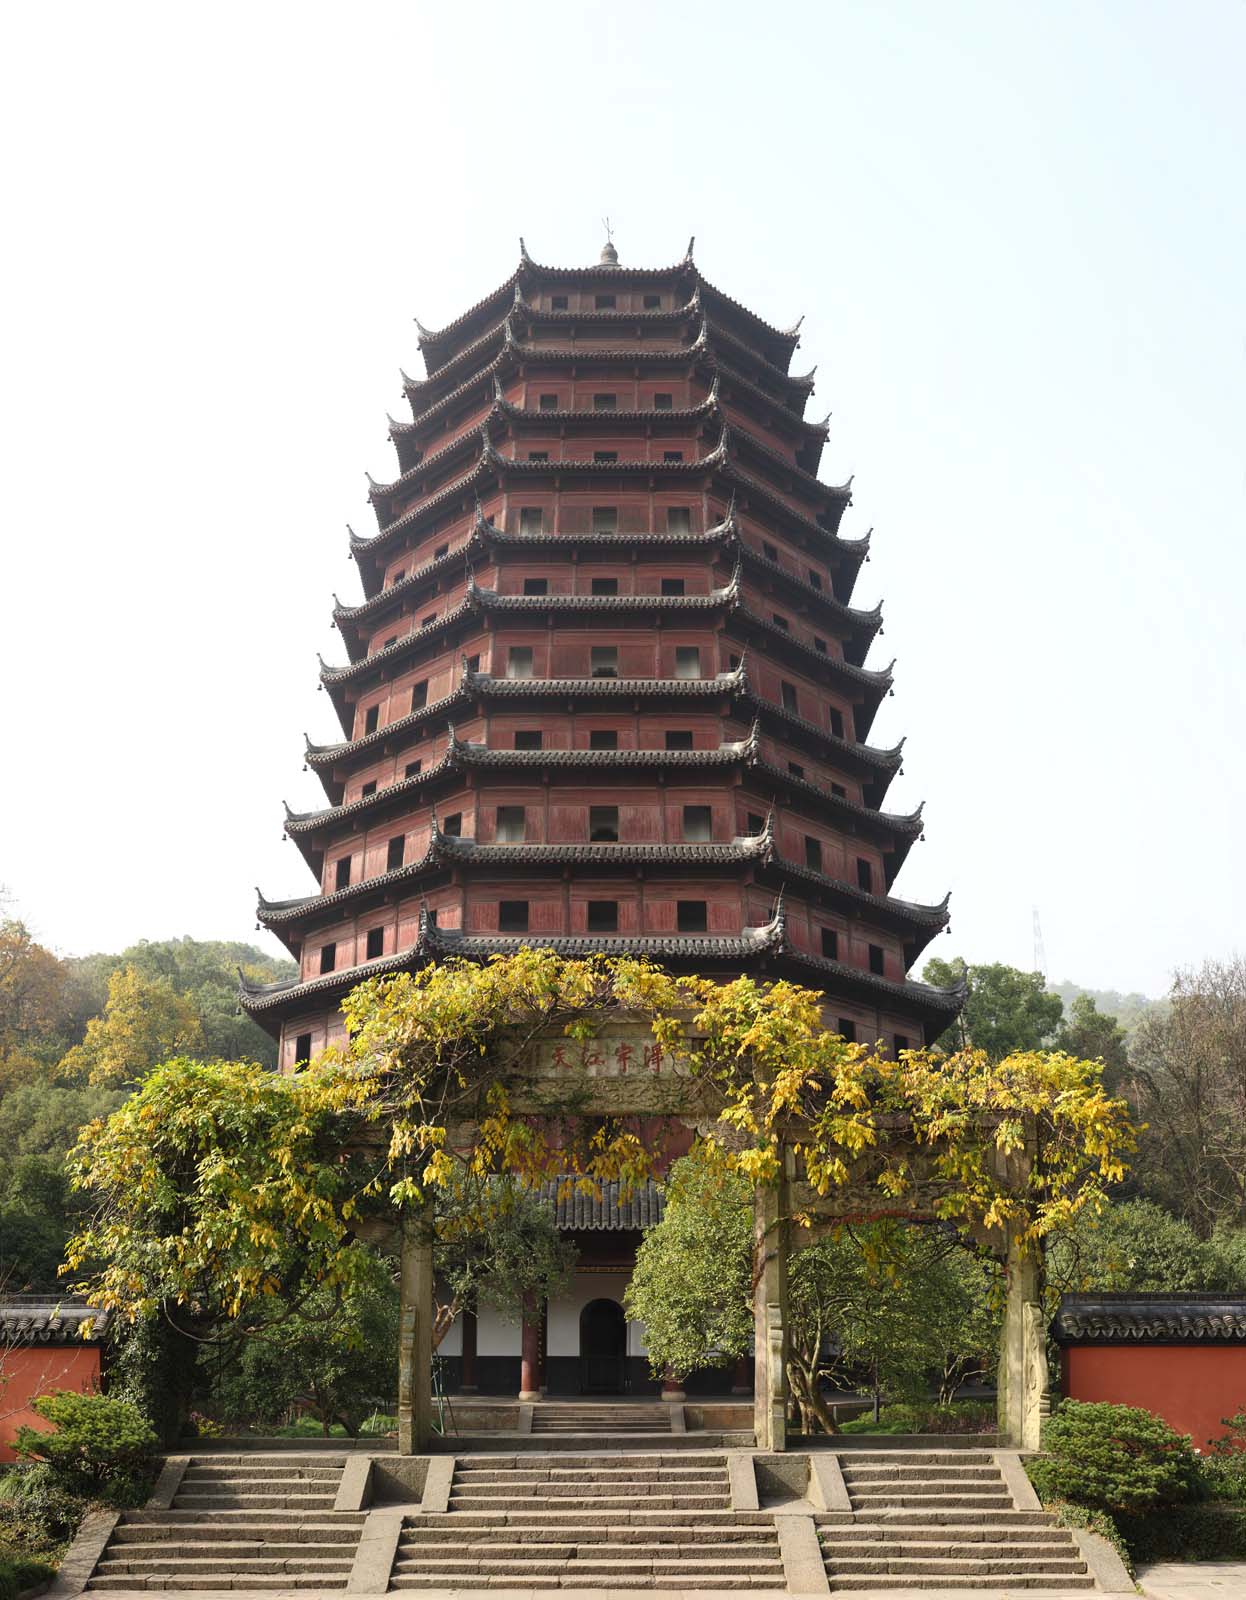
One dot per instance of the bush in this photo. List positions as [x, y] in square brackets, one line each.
[36, 1512]
[1224, 1470]
[19, 1572]
[100, 1448]
[962, 1416]
[1115, 1459]
[1187, 1533]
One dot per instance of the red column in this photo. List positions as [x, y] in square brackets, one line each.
[467, 1384]
[672, 1389]
[530, 1353]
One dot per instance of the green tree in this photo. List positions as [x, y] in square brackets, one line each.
[334, 1359]
[145, 1021]
[36, 1021]
[1187, 1079]
[892, 1307]
[1005, 1009]
[1093, 1035]
[692, 1284]
[1134, 1246]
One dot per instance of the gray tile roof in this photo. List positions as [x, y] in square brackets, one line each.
[1151, 1319]
[610, 1207]
[49, 1319]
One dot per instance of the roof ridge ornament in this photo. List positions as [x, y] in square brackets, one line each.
[794, 331]
[691, 246]
[524, 258]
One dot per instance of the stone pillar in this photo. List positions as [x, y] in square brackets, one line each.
[1024, 1385]
[530, 1352]
[467, 1383]
[770, 1332]
[415, 1337]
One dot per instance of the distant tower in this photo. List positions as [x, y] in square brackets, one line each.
[604, 687]
[1040, 955]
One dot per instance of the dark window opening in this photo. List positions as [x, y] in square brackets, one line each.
[788, 691]
[536, 586]
[847, 1030]
[396, 579]
[376, 943]
[603, 824]
[538, 455]
[698, 824]
[865, 875]
[453, 825]
[603, 302]
[605, 402]
[510, 827]
[341, 873]
[528, 739]
[653, 302]
[877, 960]
[733, 662]
[605, 519]
[419, 694]
[687, 661]
[819, 645]
[672, 455]
[769, 551]
[605, 661]
[370, 719]
[672, 586]
[839, 791]
[663, 402]
[815, 579]
[519, 661]
[678, 739]
[902, 1042]
[754, 823]
[605, 586]
[369, 788]
[605, 455]
[603, 739]
[602, 916]
[548, 402]
[427, 622]
[690, 916]
[395, 851]
[531, 519]
[837, 722]
[678, 519]
[830, 944]
[302, 1049]
[473, 663]
[512, 916]
[795, 768]
[328, 957]
[813, 854]
[780, 622]
[412, 768]
[558, 302]
[441, 550]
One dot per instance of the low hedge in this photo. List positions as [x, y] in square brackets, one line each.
[18, 1573]
[1186, 1533]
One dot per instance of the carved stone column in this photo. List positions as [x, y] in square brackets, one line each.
[770, 1327]
[415, 1337]
[1024, 1382]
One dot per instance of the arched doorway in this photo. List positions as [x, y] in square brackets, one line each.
[603, 1347]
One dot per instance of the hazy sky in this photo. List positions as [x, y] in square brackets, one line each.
[1017, 235]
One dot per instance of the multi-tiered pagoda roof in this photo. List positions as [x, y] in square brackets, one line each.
[605, 688]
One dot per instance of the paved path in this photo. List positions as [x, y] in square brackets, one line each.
[1194, 1580]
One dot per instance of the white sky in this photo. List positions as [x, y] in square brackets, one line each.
[1017, 233]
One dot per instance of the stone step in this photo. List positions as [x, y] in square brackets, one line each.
[630, 1516]
[234, 1518]
[566, 1461]
[611, 1474]
[159, 1550]
[202, 1566]
[591, 1505]
[515, 1486]
[217, 1532]
[851, 1533]
[981, 1550]
[948, 1517]
[489, 1565]
[212, 1472]
[724, 1533]
[991, 1566]
[247, 1581]
[269, 1458]
[896, 1500]
[261, 1500]
[919, 1458]
[771, 1586]
[918, 1474]
[1003, 1584]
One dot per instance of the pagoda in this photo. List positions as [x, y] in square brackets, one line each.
[605, 689]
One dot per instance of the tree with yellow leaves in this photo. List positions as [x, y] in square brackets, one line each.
[145, 1021]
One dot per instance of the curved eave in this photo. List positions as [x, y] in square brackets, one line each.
[467, 444]
[917, 923]
[346, 618]
[525, 311]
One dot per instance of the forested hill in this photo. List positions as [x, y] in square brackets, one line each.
[1128, 1009]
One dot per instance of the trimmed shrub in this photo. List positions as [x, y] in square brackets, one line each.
[1187, 1533]
[962, 1416]
[19, 1572]
[1225, 1468]
[99, 1447]
[1118, 1459]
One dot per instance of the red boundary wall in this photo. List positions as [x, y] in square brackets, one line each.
[1192, 1386]
[31, 1370]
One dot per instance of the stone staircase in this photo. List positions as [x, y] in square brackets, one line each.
[238, 1522]
[602, 1419]
[934, 1519]
[641, 1521]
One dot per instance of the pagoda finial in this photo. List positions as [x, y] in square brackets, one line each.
[609, 255]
